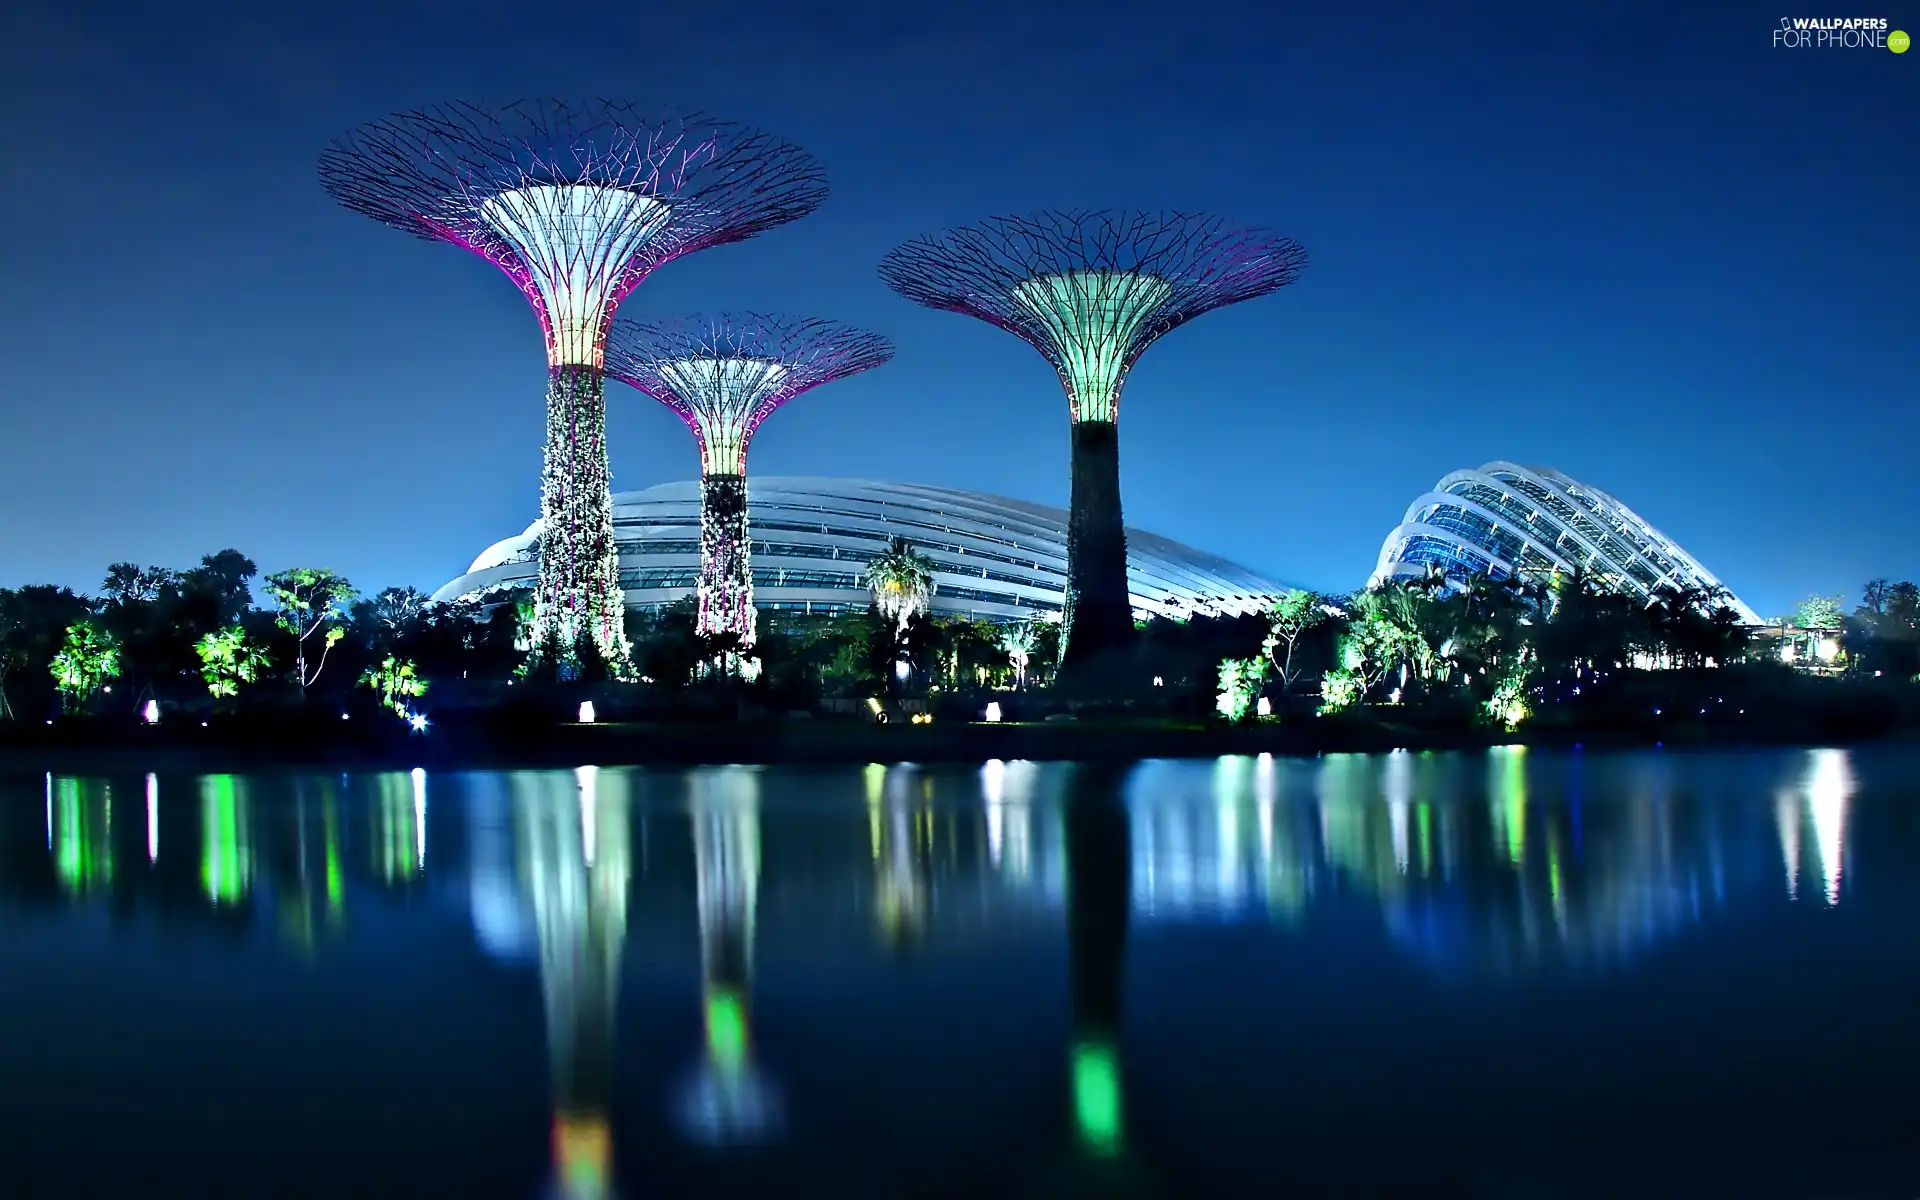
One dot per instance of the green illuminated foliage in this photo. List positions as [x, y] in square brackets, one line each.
[1240, 680]
[310, 603]
[1511, 703]
[228, 659]
[1820, 612]
[1292, 615]
[1341, 689]
[396, 681]
[85, 663]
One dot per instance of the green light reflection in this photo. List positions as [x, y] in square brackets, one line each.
[726, 1029]
[223, 859]
[1423, 815]
[1096, 1096]
[1510, 785]
[82, 847]
[336, 879]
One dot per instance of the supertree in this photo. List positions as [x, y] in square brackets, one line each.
[1091, 291]
[577, 203]
[724, 374]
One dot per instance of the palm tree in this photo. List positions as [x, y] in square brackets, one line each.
[901, 581]
[1404, 611]
[1694, 625]
[1018, 641]
[397, 610]
[1480, 627]
[1389, 626]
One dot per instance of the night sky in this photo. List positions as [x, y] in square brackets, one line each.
[1641, 246]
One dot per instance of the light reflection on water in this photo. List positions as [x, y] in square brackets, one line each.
[1483, 870]
[1241, 838]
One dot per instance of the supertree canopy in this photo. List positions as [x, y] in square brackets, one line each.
[1091, 291]
[723, 374]
[577, 203]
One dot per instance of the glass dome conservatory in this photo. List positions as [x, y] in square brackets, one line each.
[1503, 519]
[993, 559]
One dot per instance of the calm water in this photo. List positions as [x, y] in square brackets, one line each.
[1509, 974]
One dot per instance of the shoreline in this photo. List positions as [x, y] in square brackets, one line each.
[818, 742]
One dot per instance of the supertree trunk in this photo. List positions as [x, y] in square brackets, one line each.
[579, 598]
[1098, 621]
[726, 575]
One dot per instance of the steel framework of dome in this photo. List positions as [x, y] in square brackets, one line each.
[1504, 520]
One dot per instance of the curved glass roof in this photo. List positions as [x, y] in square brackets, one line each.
[994, 558]
[1503, 519]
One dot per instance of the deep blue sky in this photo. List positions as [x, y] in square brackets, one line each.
[1632, 241]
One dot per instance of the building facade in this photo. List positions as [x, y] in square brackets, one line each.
[993, 558]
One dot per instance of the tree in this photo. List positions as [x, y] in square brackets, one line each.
[143, 609]
[398, 611]
[1903, 603]
[1046, 647]
[1693, 624]
[1240, 680]
[1392, 629]
[10, 652]
[1292, 615]
[128, 584]
[1875, 596]
[1820, 612]
[1883, 635]
[1510, 703]
[396, 681]
[228, 659]
[1484, 628]
[960, 651]
[311, 602]
[1018, 641]
[33, 628]
[666, 643]
[221, 584]
[1588, 627]
[523, 612]
[89, 659]
[901, 581]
